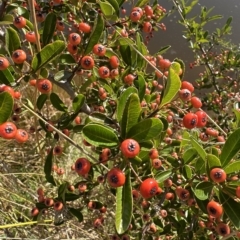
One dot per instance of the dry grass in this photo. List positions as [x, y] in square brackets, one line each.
[22, 173]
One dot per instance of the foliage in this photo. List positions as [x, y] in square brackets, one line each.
[85, 112]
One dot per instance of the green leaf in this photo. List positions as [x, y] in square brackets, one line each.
[163, 175]
[231, 208]
[131, 114]
[237, 123]
[48, 168]
[163, 50]
[71, 196]
[173, 85]
[41, 100]
[124, 206]
[232, 167]
[211, 162]
[122, 101]
[108, 10]
[100, 135]
[187, 172]
[12, 40]
[62, 190]
[6, 77]
[66, 59]
[203, 190]
[125, 51]
[47, 54]
[49, 28]
[145, 130]
[7, 19]
[198, 148]
[78, 102]
[141, 3]
[6, 106]
[57, 102]
[115, 5]
[141, 86]
[189, 155]
[76, 213]
[96, 34]
[230, 148]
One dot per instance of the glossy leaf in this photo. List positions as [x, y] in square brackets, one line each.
[231, 208]
[189, 155]
[57, 102]
[47, 54]
[187, 172]
[173, 84]
[41, 101]
[141, 86]
[237, 122]
[145, 130]
[76, 213]
[203, 190]
[100, 135]
[48, 168]
[78, 102]
[6, 106]
[163, 175]
[131, 114]
[115, 5]
[125, 51]
[122, 101]
[230, 148]
[71, 196]
[108, 10]
[96, 34]
[6, 77]
[49, 28]
[124, 206]
[12, 40]
[232, 167]
[201, 152]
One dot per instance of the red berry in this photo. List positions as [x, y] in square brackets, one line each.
[4, 63]
[58, 206]
[130, 148]
[190, 120]
[218, 175]
[21, 136]
[114, 61]
[19, 22]
[156, 163]
[182, 193]
[84, 27]
[212, 132]
[19, 56]
[34, 212]
[74, 38]
[238, 191]
[149, 188]
[8, 130]
[116, 177]
[164, 63]
[147, 27]
[72, 48]
[44, 85]
[214, 209]
[184, 94]
[99, 50]
[196, 102]
[82, 166]
[223, 229]
[87, 62]
[153, 153]
[187, 85]
[135, 16]
[202, 119]
[48, 202]
[104, 72]
[31, 37]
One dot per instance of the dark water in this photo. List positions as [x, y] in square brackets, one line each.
[173, 35]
